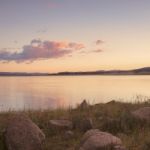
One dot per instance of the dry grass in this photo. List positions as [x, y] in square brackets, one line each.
[114, 118]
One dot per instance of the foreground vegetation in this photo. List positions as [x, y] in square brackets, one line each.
[113, 117]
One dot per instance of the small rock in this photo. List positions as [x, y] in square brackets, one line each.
[68, 135]
[61, 124]
[95, 139]
[23, 134]
[142, 113]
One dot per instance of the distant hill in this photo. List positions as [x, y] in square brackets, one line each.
[140, 71]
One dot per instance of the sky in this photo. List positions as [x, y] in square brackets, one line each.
[74, 35]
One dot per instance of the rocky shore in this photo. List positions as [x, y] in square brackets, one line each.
[110, 126]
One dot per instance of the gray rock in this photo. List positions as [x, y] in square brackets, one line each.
[61, 124]
[97, 140]
[142, 113]
[22, 134]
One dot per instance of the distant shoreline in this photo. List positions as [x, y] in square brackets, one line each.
[75, 75]
[141, 71]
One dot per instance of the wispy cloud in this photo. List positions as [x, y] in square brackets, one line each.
[91, 51]
[97, 51]
[38, 49]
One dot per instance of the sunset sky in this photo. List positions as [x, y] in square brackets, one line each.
[74, 35]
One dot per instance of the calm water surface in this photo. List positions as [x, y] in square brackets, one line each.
[17, 93]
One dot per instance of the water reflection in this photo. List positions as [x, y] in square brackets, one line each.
[51, 92]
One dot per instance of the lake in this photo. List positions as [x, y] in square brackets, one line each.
[19, 93]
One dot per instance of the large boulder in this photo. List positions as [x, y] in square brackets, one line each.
[61, 124]
[97, 140]
[142, 113]
[22, 134]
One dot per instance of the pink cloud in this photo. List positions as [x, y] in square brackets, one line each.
[77, 46]
[38, 49]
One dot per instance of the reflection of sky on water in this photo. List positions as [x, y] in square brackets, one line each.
[25, 93]
[51, 92]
